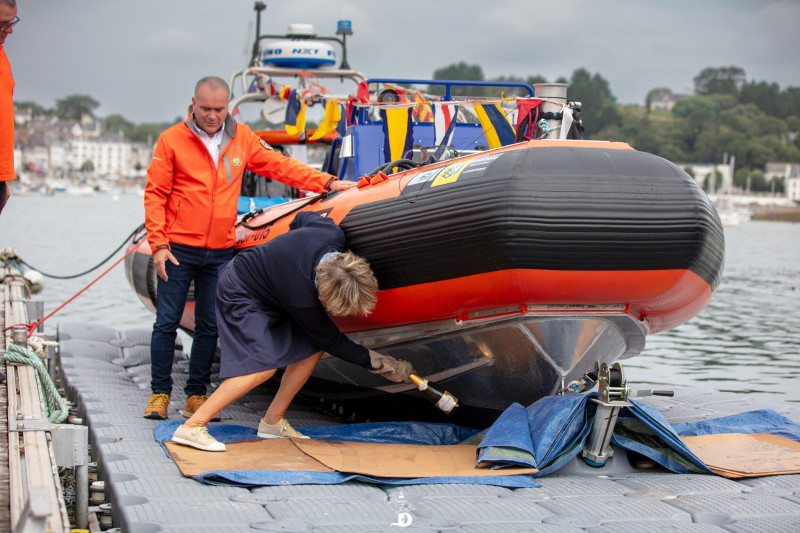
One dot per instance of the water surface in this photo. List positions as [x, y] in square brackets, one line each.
[746, 341]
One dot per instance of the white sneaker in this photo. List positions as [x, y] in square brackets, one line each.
[276, 431]
[197, 438]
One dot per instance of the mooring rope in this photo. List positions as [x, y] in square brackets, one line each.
[33, 325]
[545, 128]
[56, 407]
[92, 269]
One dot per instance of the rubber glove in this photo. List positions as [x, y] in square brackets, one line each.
[392, 369]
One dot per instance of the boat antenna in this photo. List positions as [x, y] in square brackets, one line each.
[343, 28]
[259, 7]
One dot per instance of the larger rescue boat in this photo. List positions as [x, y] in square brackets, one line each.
[504, 273]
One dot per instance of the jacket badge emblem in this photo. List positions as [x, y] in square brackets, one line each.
[236, 162]
[265, 145]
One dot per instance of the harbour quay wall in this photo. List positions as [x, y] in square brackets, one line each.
[777, 213]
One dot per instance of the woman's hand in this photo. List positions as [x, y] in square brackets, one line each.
[392, 369]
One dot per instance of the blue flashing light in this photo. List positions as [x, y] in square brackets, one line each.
[344, 27]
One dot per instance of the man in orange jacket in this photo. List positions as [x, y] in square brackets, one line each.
[190, 203]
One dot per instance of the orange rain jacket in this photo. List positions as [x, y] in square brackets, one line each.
[188, 200]
[6, 120]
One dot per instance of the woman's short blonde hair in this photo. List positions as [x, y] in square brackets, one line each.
[346, 285]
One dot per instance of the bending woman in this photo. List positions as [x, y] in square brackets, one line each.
[273, 306]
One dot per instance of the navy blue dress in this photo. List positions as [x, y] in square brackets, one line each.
[268, 312]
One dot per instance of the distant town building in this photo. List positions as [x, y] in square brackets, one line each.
[22, 115]
[664, 100]
[781, 170]
[792, 188]
[110, 153]
[702, 173]
[58, 147]
[790, 172]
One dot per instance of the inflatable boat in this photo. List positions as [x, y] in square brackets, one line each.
[508, 274]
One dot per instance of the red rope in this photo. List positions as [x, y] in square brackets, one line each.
[31, 327]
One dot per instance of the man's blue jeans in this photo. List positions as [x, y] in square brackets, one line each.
[201, 266]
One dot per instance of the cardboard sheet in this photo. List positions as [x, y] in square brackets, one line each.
[311, 455]
[261, 454]
[737, 455]
[400, 460]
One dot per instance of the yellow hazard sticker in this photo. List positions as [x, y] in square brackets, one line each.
[449, 174]
[236, 161]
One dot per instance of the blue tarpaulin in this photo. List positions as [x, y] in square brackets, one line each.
[550, 432]
[553, 430]
[546, 435]
[387, 432]
[761, 421]
[642, 429]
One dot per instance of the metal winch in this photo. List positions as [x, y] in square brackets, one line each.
[612, 395]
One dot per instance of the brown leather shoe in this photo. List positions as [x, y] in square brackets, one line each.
[194, 402]
[157, 407]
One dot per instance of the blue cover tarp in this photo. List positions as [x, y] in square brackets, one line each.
[642, 429]
[387, 432]
[550, 432]
[553, 430]
[545, 435]
[761, 421]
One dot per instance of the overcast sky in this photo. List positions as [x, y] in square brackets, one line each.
[141, 58]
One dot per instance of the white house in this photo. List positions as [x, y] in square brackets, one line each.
[702, 172]
[790, 172]
[22, 115]
[792, 188]
[665, 100]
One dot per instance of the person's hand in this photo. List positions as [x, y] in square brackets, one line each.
[392, 369]
[160, 259]
[339, 185]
